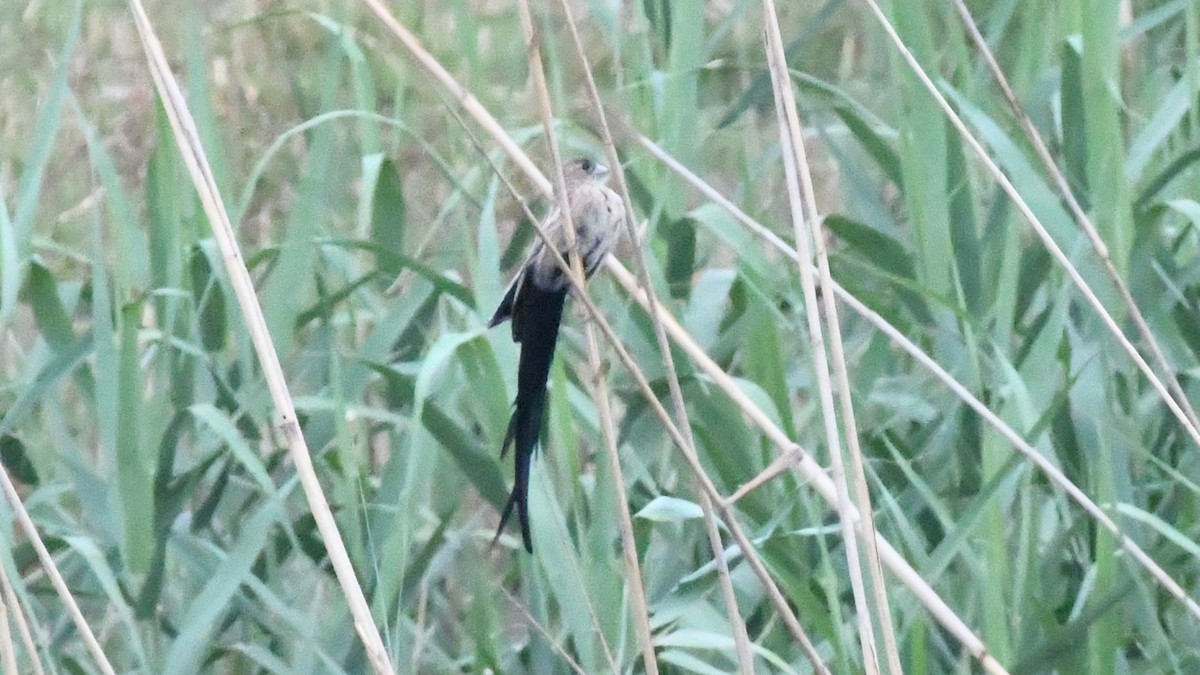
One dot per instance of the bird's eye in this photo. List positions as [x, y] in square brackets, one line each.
[586, 165]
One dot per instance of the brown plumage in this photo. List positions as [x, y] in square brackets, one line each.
[534, 301]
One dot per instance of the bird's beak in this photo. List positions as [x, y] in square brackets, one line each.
[600, 172]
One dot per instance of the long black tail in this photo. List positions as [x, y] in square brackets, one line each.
[540, 315]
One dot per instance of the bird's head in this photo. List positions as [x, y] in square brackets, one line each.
[583, 169]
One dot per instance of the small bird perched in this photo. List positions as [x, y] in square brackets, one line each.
[534, 302]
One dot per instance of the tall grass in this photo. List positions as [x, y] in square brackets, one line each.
[359, 169]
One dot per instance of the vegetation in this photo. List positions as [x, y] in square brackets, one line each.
[1037, 478]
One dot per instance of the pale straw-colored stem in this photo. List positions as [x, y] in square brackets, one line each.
[1052, 246]
[8, 650]
[741, 638]
[554, 641]
[56, 579]
[802, 198]
[814, 474]
[708, 489]
[805, 464]
[192, 151]
[575, 269]
[1043, 463]
[18, 612]
[1081, 217]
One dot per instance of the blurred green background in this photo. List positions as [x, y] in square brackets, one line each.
[135, 421]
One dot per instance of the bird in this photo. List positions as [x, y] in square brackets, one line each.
[534, 303]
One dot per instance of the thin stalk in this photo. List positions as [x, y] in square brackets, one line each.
[812, 472]
[56, 579]
[741, 638]
[804, 207]
[1048, 467]
[192, 151]
[807, 467]
[18, 611]
[575, 269]
[553, 641]
[1052, 246]
[1081, 217]
[789, 138]
[8, 653]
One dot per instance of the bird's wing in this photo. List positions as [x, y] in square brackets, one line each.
[507, 305]
[533, 271]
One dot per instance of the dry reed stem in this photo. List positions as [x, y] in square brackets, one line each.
[56, 579]
[1052, 246]
[553, 641]
[192, 151]
[489, 124]
[8, 652]
[574, 270]
[18, 610]
[741, 638]
[1043, 463]
[809, 469]
[1081, 218]
[802, 198]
